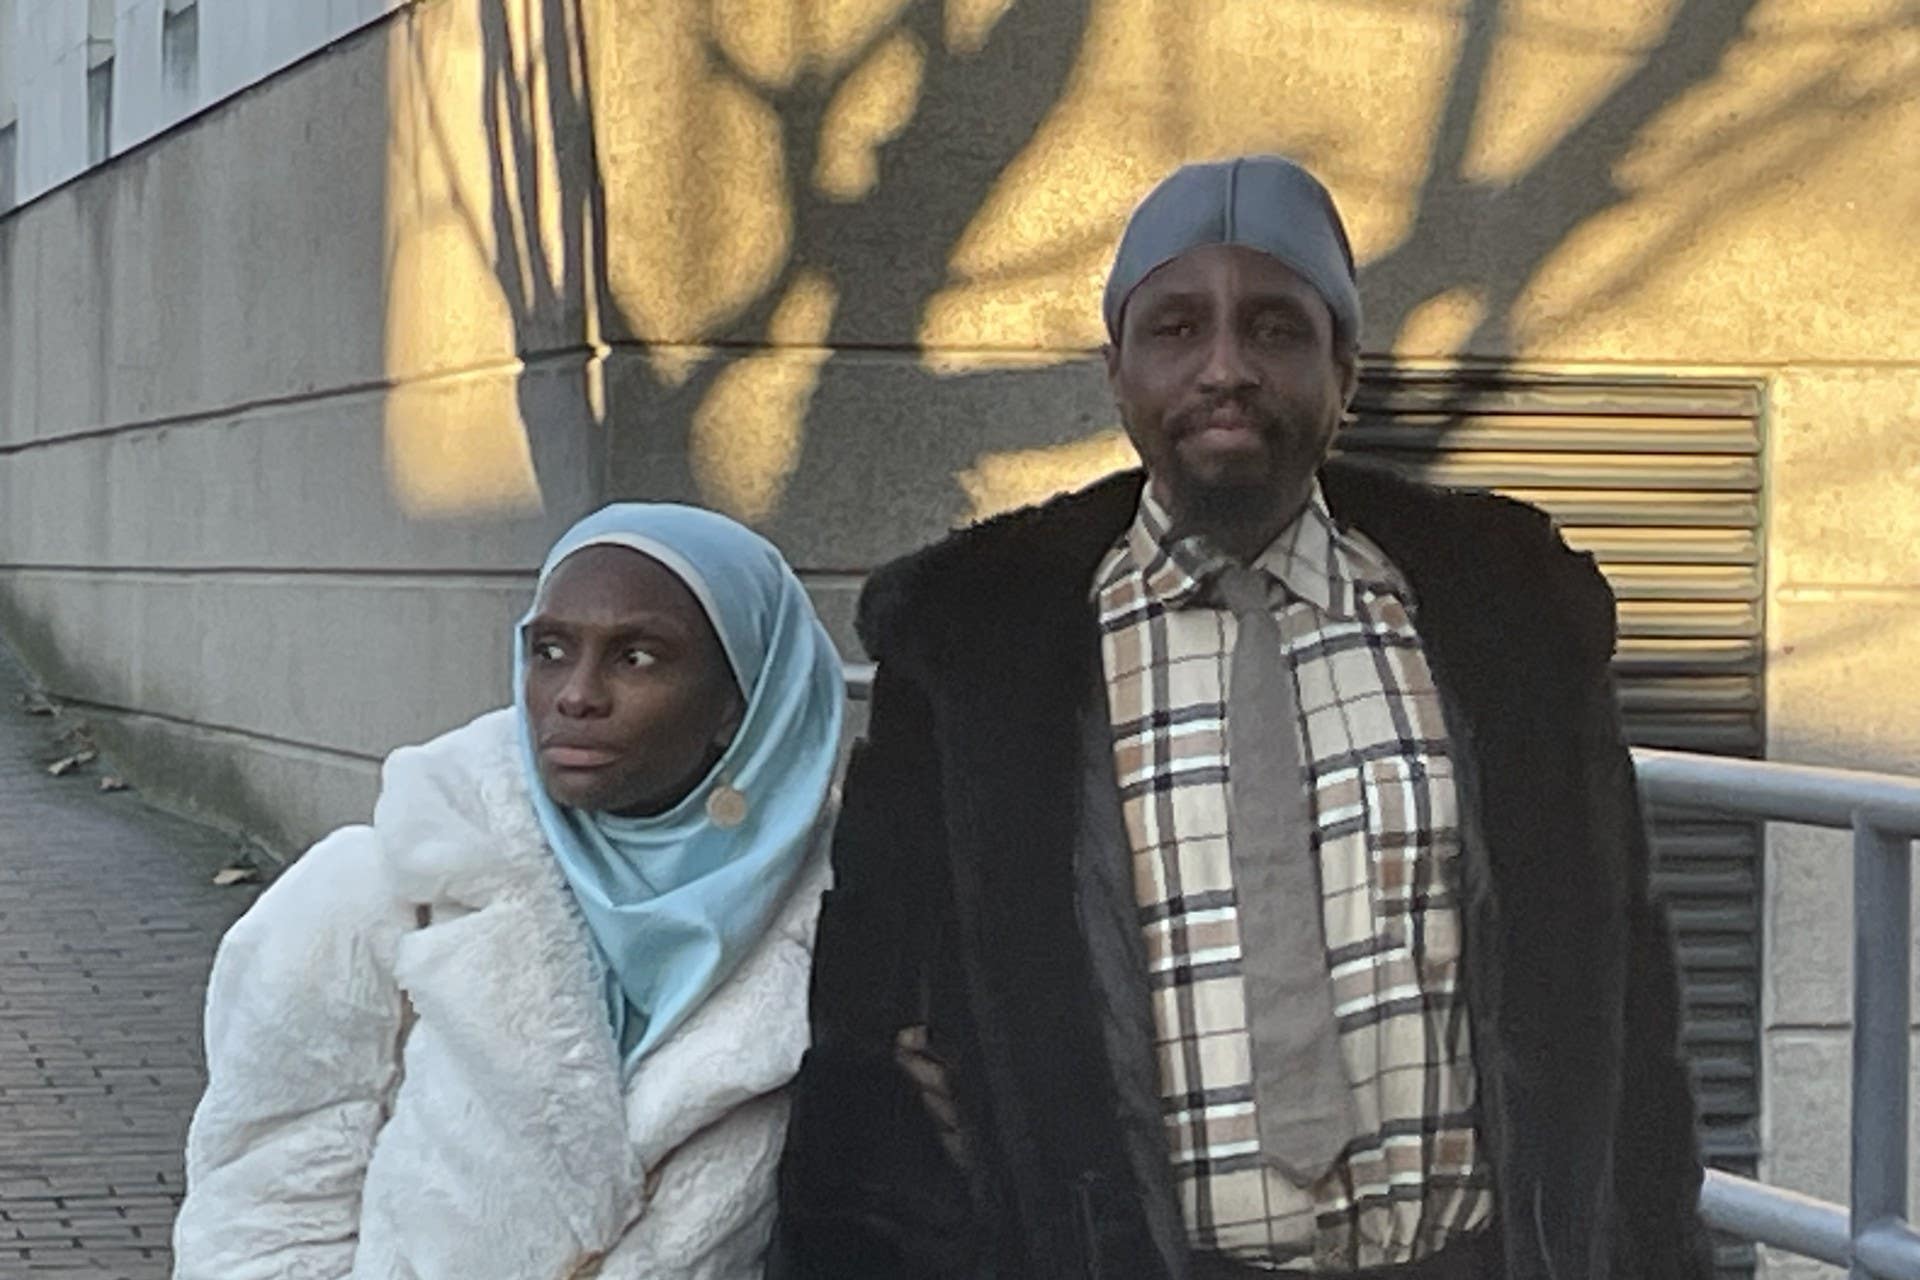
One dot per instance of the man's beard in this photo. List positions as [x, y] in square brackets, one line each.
[1222, 512]
[1253, 506]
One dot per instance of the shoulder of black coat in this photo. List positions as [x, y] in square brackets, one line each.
[1020, 563]
[1472, 550]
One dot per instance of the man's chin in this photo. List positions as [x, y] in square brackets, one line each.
[1230, 483]
[1221, 500]
[1237, 473]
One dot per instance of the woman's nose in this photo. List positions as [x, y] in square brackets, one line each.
[584, 693]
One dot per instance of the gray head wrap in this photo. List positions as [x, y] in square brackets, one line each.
[1267, 203]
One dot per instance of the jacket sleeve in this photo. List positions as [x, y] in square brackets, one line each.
[865, 1187]
[1657, 1168]
[302, 1029]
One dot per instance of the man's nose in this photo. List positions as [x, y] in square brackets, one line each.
[1227, 368]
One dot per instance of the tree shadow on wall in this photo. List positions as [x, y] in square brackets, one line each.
[975, 113]
[847, 493]
[543, 158]
[1490, 240]
[507, 161]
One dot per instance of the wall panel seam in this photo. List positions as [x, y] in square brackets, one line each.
[254, 738]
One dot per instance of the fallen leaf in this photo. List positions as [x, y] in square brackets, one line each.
[236, 875]
[77, 736]
[113, 782]
[67, 764]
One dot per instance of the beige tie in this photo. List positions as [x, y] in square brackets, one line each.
[1305, 1101]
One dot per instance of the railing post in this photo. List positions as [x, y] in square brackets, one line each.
[1882, 937]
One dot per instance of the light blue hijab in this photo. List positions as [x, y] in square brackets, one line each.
[675, 901]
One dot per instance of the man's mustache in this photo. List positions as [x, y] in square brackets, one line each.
[1193, 417]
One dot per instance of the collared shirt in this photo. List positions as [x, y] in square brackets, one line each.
[1386, 833]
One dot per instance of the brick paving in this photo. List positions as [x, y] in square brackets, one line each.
[108, 920]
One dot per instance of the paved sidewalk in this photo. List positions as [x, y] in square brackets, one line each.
[108, 920]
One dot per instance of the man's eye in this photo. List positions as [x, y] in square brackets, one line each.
[1174, 329]
[1276, 330]
[638, 658]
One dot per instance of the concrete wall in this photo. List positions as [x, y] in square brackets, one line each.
[1844, 635]
[291, 402]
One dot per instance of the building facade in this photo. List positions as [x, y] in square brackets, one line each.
[319, 320]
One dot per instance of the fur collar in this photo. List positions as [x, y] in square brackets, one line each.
[512, 1024]
[1485, 549]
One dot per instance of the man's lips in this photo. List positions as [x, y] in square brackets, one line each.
[1222, 426]
[568, 755]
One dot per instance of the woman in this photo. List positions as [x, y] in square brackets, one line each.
[536, 1020]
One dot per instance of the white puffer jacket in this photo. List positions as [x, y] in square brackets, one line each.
[507, 1146]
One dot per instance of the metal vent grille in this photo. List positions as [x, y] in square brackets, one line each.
[1661, 481]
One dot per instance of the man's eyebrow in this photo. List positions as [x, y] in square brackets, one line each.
[1180, 297]
[1200, 298]
[1273, 301]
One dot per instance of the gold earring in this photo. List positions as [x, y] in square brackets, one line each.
[726, 807]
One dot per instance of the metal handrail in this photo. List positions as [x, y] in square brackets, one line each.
[859, 680]
[1871, 1237]
[1773, 792]
[1774, 1216]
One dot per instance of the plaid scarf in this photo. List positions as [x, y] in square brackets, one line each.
[1387, 839]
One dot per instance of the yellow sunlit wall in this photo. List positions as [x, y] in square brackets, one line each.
[805, 255]
[1678, 184]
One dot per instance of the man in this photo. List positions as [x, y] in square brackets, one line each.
[1243, 870]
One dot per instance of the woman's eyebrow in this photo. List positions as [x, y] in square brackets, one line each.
[643, 622]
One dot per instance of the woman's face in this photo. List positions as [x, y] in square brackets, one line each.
[628, 691]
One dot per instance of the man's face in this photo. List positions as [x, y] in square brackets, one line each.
[629, 695]
[1229, 381]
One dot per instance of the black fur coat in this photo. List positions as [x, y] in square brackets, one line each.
[953, 907]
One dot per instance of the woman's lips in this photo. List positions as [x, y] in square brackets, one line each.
[564, 756]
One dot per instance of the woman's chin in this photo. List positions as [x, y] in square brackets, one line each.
[566, 787]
